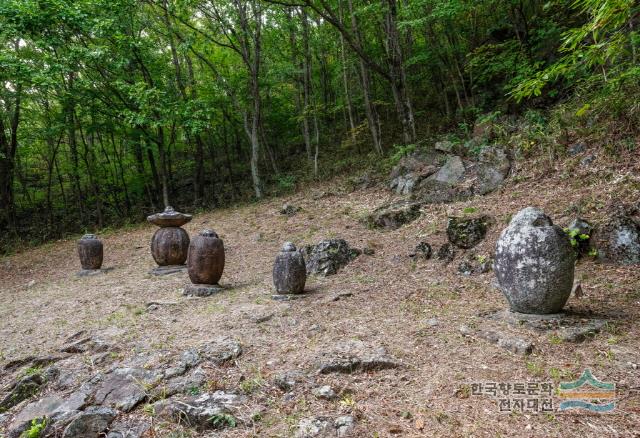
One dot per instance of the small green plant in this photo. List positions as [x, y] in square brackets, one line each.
[535, 369]
[32, 371]
[401, 151]
[469, 210]
[286, 183]
[555, 339]
[575, 237]
[36, 428]
[223, 420]
[149, 410]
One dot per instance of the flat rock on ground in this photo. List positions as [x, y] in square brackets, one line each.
[353, 355]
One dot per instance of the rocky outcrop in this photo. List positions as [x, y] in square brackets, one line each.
[441, 177]
[618, 239]
[393, 216]
[466, 233]
[328, 256]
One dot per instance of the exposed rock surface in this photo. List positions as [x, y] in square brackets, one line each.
[354, 355]
[439, 177]
[289, 210]
[446, 253]
[534, 263]
[467, 232]
[421, 251]
[124, 388]
[325, 427]
[22, 389]
[90, 423]
[207, 411]
[393, 216]
[324, 392]
[412, 169]
[328, 256]
[618, 240]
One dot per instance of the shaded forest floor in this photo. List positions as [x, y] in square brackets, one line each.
[393, 303]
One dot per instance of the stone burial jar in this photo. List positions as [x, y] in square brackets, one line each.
[205, 263]
[90, 251]
[169, 244]
[534, 263]
[289, 271]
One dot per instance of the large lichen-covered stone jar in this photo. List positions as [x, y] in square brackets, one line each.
[289, 270]
[169, 244]
[534, 263]
[90, 251]
[206, 258]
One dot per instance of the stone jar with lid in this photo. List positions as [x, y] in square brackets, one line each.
[170, 243]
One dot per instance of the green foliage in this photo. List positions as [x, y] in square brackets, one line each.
[400, 151]
[120, 101]
[575, 237]
[223, 420]
[36, 428]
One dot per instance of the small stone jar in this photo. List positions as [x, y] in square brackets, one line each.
[90, 251]
[169, 244]
[289, 270]
[534, 263]
[206, 258]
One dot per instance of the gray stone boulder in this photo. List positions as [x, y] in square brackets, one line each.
[422, 251]
[491, 169]
[289, 270]
[24, 388]
[618, 240]
[534, 263]
[446, 253]
[412, 169]
[328, 256]
[467, 232]
[393, 216]
[91, 422]
[206, 411]
[325, 427]
[123, 388]
[353, 355]
[289, 210]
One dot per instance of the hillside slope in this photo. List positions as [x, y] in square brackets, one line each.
[414, 310]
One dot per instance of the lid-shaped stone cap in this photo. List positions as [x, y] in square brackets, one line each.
[89, 237]
[169, 218]
[209, 233]
[531, 216]
[288, 247]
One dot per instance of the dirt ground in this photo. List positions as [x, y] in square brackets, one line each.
[393, 300]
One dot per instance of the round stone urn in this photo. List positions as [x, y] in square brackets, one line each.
[289, 270]
[169, 244]
[206, 258]
[90, 251]
[534, 263]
